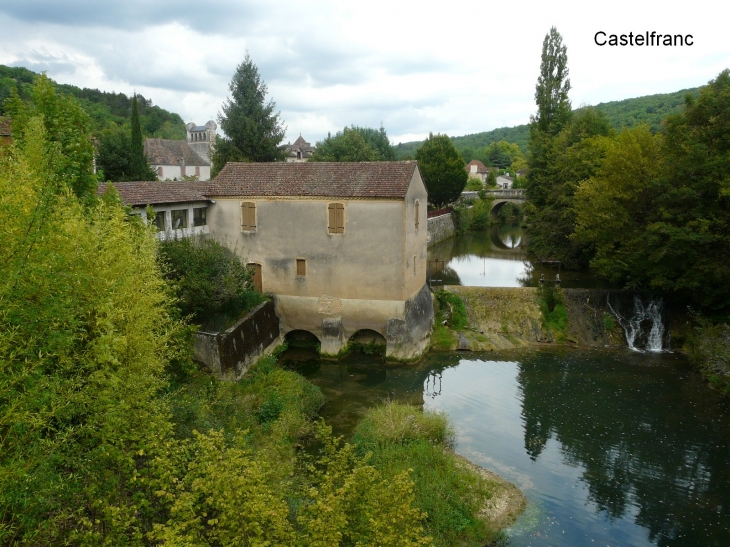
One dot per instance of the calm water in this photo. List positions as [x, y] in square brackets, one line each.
[496, 258]
[612, 448]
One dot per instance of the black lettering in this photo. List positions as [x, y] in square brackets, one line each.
[667, 40]
[624, 40]
[681, 39]
[686, 40]
[595, 38]
[631, 38]
[639, 40]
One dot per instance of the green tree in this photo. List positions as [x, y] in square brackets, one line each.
[553, 112]
[442, 168]
[139, 165]
[346, 145]
[378, 139]
[253, 132]
[114, 154]
[66, 134]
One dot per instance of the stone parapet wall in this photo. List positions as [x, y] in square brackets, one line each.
[229, 354]
[440, 228]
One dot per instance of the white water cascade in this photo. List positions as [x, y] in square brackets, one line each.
[652, 312]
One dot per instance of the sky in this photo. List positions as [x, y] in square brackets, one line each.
[456, 67]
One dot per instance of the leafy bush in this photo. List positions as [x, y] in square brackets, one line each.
[395, 423]
[473, 185]
[212, 284]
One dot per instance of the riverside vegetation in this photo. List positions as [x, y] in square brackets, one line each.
[110, 434]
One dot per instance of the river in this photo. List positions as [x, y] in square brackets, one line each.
[611, 447]
[497, 258]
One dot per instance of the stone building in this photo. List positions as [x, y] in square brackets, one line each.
[201, 138]
[175, 160]
[341, 246]
[300, 151]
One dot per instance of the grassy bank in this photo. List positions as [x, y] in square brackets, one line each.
[457, 499]
[708, 348]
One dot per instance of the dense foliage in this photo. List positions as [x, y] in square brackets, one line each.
[355, 144]
[66, 134]
[658, 209]
[442, 169]
[212, 285]
[105, 109]
[253, 132]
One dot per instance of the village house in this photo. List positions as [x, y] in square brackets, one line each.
[477, 170]
[300, 151]
[340, 246]
[504, 181]
[176, 160]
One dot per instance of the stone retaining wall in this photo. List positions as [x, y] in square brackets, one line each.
[440, 228]
[229, 354]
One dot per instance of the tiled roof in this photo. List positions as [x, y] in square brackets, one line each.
[384, 179]
[157, 192]
[300, 141]
[481, 168]
[169, 152]
[5, 129]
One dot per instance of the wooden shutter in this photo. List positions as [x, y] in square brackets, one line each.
[248, 215]
[301, 266]
[335, 218]
[339, 218]
[331, 219]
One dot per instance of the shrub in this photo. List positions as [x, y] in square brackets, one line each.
[451, 309]
[212, 284]
[395, 423]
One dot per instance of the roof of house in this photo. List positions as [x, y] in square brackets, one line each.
[385, 179]
[5, 126]
[481, 168]
[300, 145]
[157, 192]
[169, 152]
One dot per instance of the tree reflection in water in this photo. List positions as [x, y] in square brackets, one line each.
[650, 445]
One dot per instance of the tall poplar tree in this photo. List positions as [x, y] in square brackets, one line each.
[253, 131]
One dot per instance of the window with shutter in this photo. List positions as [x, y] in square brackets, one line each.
[301, 266]
[336, 218]
[248, 216]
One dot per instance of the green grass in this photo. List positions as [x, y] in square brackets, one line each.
[451, 308]
[554, 314]
[403, 437]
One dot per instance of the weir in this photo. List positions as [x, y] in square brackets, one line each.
[644, 327]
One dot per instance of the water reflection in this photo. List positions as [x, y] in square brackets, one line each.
[496, 258]
[610, 447]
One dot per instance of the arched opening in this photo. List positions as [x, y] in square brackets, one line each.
[367, 341]
[302, 339]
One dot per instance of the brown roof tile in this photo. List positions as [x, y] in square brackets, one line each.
[481, 168]
[385, 179]
[169, 152]
[157, 192]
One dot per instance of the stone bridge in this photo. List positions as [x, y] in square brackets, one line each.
[500, 196]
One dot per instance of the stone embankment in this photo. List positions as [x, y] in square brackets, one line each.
[440, 228]
[503, 318]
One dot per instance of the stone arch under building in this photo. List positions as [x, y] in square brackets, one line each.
[300, 338]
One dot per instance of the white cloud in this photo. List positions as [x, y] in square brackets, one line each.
[460, 67]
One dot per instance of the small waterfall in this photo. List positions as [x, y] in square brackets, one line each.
[652, 312]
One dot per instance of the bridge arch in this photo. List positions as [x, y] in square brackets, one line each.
[300, 338]
[368, 341]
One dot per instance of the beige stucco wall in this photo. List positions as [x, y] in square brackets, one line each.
[172, 172]
[365, 262]
[415, 241]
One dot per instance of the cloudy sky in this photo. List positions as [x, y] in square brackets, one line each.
[454, 67]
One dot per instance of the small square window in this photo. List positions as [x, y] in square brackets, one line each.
[199, 216]
[301, 266]
[179, 219]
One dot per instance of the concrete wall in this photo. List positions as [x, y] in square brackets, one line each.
[364, 262]
[440, 228]
[416, 238]
[230, 353]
